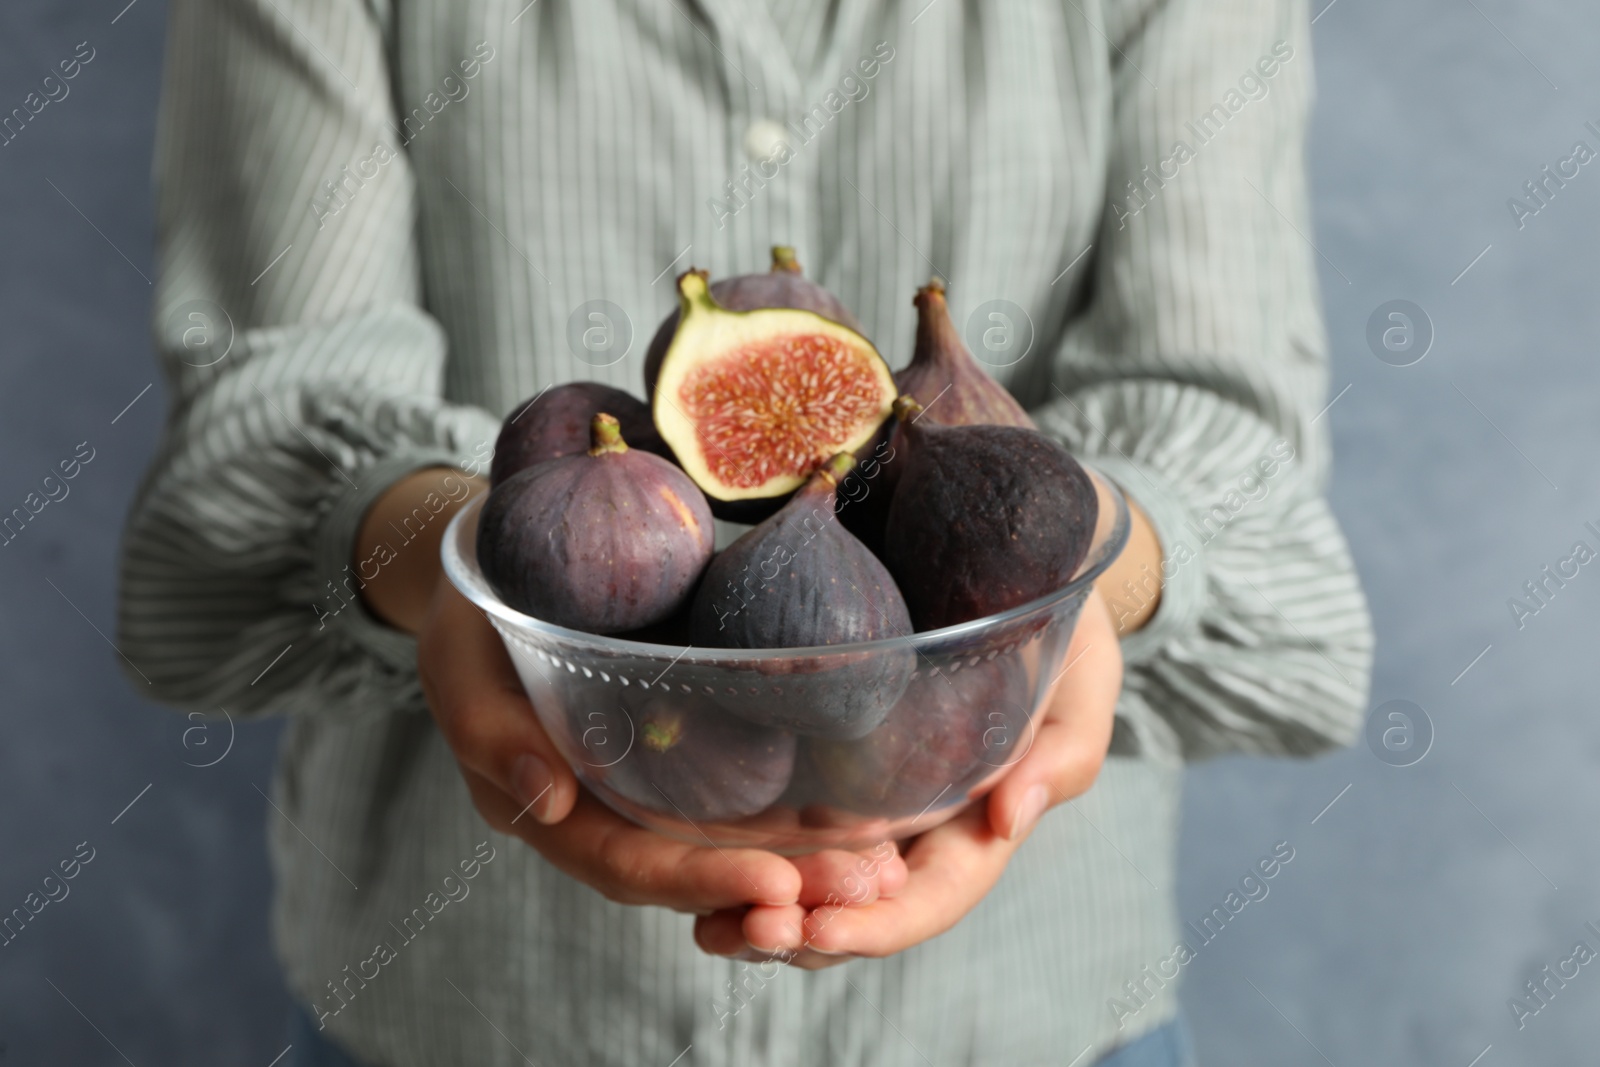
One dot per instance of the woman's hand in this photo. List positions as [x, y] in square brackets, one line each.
[953, 866]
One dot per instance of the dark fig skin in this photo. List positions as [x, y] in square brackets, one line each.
[797, 580]
[944, 377]
[800, 579]
[984, 519]
[604, 541]
[556, 423]
[784, 286]
[747, 512]
[672, 631]
[947, 734]
[867, 491]
[682, 756]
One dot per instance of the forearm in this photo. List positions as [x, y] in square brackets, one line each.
[396, 553]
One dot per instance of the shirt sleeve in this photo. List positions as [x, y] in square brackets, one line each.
[303, 375]
[1195, 376]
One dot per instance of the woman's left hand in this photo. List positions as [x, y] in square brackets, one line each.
[953, 866]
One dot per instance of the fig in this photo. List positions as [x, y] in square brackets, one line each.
[556, 423]
[863, 497]
[678, 754]
[945, 379]
[751, 402]
[784, 286]
[799, 580]
[607, 540]
[947, 734]
[984, 518]
[672, 631]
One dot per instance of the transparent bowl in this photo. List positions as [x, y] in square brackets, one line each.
[681, 739]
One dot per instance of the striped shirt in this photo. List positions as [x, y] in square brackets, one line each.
[382, 223]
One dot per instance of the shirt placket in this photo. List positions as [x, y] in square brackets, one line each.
[761, 196]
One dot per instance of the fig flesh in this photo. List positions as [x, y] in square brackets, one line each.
[681, 755]
[984, 518]
[784, 286]
[751, 402]
[800, 580]
[946, 736]
[603, 541]
[556, 423]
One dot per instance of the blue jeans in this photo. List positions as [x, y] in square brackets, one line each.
[1169, 1045]
[310, 1047]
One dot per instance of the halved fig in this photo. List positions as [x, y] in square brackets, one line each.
[784, 286]
[751, 402]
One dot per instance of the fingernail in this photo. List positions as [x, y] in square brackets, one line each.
[531, 780]
[1029, 809]
[827, 951]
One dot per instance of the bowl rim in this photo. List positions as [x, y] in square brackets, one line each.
[462, 570]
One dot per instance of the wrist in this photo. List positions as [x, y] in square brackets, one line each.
[1131, 586]
[396, 551]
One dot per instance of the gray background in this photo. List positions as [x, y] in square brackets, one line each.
[1415, 906]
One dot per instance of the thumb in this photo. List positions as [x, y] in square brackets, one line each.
[480, 707]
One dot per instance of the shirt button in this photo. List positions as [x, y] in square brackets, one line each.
[764, 138]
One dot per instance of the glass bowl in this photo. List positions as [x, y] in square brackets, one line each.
[692, 743]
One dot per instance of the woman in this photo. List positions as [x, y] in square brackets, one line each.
[385, 223]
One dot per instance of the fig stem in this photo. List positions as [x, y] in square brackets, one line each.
[605, 435]
[660, 736]
[906, 409]
[835, 469]
[937, 339]
[694, 293]
[783, 260]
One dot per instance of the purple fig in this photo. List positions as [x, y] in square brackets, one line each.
[680, 755]
[800, 579]
[948, 733]
[984, 518]
[607, 540]
[556, 423]
[944, 378]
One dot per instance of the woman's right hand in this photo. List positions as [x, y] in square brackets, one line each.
[521, 785]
